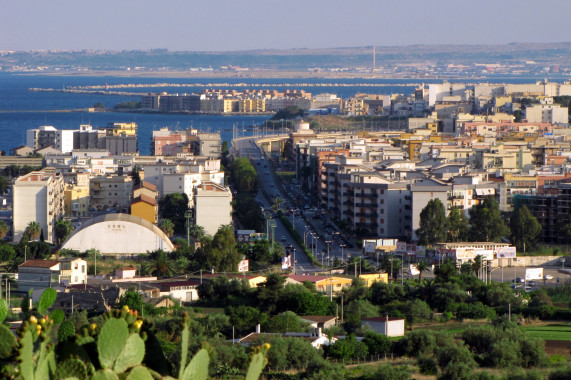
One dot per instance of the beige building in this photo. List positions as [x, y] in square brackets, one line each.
[111, 191]
[38, 197]
[213, 206]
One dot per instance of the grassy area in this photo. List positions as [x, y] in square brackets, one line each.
[452, 327]
[550, 331]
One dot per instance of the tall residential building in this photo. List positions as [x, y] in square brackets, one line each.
[213, 206]
[41, 137]
[38, 197]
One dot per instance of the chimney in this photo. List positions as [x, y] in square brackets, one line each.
[258, 328]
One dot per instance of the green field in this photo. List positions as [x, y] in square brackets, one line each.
[551, 331]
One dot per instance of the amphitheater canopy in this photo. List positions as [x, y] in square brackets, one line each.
[118, 234]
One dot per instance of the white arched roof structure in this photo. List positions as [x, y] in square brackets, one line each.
[118, 234]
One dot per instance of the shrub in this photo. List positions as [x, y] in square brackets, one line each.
[427, 366]
[457, 371]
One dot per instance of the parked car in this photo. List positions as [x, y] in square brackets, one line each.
[548, 277]
[531, 283]
[519, 280]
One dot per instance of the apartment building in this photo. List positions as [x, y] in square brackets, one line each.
[38, 197]
[213, 206]
[110, 191]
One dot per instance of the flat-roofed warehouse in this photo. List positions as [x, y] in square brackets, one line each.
[118, 234]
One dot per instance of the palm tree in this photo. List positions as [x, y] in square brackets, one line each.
[159, 265]
[477, 265]
[4, 228]
[197, 232]
[421, 266]
[62, 230]
[167, 226]
[33, 231]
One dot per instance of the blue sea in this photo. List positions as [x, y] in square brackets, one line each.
[21, 109]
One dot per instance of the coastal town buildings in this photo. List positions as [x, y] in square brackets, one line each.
[37, 197]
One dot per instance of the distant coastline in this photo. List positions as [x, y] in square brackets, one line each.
[253, 74]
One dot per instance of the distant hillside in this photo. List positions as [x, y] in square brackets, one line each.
[296, 59]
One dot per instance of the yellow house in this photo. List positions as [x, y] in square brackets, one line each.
[145, 207]
[369, 279]
[323, 284]
[76, 200]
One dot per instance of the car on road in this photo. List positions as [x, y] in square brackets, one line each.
[519, 280]
[548, 277]
[531, 283]
[283, 238]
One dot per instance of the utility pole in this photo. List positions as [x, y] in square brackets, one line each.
[187, 216]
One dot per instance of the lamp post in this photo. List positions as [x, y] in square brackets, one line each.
[305, 233]
[294, 262]
[342, 246]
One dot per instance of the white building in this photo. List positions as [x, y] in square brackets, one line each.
[64, 140]
[389, 327]
[547, 113]
[38, 197]
[118, 234]
[184, 291]
[213, 206]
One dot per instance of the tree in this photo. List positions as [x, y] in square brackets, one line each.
[416, 310]
[421, 266]
[4, 228]
[62, 229]
[4, 185]
[486, 223]
[132, 299]
[167, 226]
[525, 229]
[433, 224]
[33, 231]
[159, 265]
[136, 177]
[457, 225]
[357, 310]
[197, 232]
[173, 206]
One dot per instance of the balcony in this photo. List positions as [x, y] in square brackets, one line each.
[367, 214]
[367, 195]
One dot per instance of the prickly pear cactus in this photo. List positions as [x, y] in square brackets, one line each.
[57, 316]
[35, 351]
[47, 299]
[7, 342]
[258, 361]
[197, 369]
[3, 310]
[118, 349]
[66, 330]
[71, 368]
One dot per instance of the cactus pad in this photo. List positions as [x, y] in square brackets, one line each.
[7, 342]
[47, 299]
[111, 341]
[65, 331]
[71, 368]
[3, 310]
[197, 369]
[58, 316]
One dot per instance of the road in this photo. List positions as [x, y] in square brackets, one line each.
[269, 189]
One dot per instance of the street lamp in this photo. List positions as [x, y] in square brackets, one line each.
[307, 230]
[342, 246]
[294, 262]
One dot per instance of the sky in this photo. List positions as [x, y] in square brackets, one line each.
[230, 25]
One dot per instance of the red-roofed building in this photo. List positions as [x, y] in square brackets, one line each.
[183, 290]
